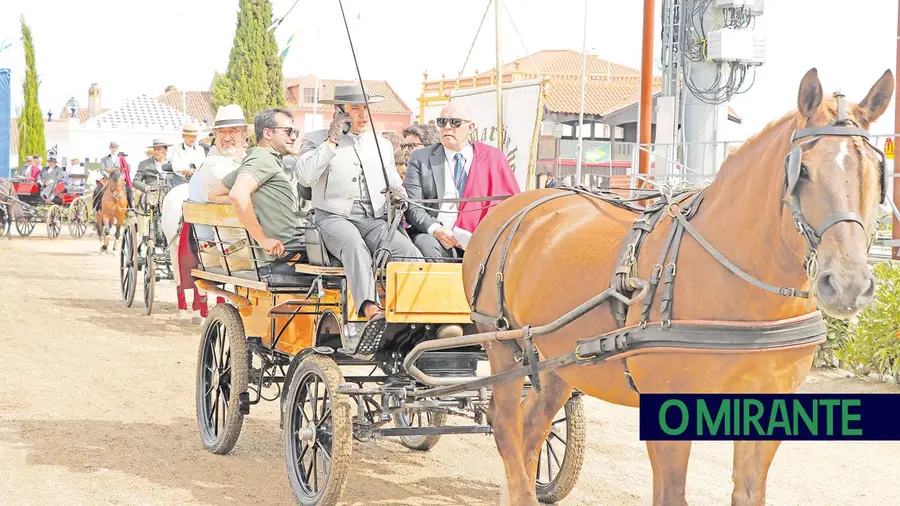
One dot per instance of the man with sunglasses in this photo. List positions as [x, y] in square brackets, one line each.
[457, 168]
[262, 193]
[343, 168]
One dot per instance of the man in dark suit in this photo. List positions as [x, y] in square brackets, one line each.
[454, 169]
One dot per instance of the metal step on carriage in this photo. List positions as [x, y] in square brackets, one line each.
[145, 250]
[291, 338]
[29, 201]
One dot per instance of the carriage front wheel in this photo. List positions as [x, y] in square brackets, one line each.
[318, 432]
[79, 215]
[25, 223]
[222, 370]
[562, 454]
[54, 222]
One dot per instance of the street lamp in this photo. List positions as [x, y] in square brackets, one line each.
[49, 116]
[72, 105]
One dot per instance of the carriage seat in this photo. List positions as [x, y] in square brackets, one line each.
[298, 280]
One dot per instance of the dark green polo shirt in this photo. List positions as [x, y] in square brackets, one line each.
[275, 201]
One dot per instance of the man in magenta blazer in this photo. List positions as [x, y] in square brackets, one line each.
[455, 168]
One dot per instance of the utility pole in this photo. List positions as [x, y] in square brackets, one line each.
[581, 110]
[646, 102]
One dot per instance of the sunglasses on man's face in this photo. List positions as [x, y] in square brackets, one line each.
[290, 131]
[454, 122]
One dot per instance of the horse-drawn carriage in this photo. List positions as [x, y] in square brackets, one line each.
[293, 334]
[23, 198]
[145, 248]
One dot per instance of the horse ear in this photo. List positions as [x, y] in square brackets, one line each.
[810, 95]
[876, 102]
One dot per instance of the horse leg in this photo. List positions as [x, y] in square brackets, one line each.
[538, 412]
[505, 418]
[118, 231]
[751, 468]
[669, 461]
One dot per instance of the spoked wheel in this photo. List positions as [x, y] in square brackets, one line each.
[318, 433]
[222, 369]
[149, 281]
[128, 264]
[561, 456]
[78, 218]
[420, 419]
[25, 224]
[54, 222]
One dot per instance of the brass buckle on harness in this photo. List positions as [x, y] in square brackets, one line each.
[671, 205]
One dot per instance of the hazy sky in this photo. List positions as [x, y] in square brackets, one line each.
[132, 48]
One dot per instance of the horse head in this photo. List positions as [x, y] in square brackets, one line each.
[117, 185]
[834, 181]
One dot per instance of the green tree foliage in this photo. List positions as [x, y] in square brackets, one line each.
[31, 123]
[254, 78]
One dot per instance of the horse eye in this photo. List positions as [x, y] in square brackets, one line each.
[804, 171]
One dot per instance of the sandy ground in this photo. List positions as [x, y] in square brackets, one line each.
[98, 408]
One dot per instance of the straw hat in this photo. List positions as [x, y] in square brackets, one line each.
[190, 129]
[158, 142]
[351, 94]
[230, 115]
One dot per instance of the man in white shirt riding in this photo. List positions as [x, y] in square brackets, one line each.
[187, 156]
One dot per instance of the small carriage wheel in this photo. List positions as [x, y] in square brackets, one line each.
[419, 418]
[149, 281]
[128, 264]
[562, 454]
[54, 222]
[318, 432]
[222, 370]
[25, 224]
[78, 217]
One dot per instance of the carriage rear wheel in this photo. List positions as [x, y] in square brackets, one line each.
[54, 222]
[222, 370]
[562, 454]
[318, 432]
[78, 218]
[149, 281]
[420, 419]
[25, 224]
[128, 260]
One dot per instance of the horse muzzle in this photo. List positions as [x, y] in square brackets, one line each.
[841, 292]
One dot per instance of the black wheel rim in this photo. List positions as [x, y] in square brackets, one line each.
[77, 219]
[553, 452]
[216, 380]
[149, 279]
[312, 457]
[54, 223]
[126, 263]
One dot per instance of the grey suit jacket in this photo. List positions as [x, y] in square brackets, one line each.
[425, 180]
[107, 163]
[146, 175]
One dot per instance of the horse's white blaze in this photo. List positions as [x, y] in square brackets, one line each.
[842, 155]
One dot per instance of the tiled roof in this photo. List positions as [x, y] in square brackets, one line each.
[599, 98]
[81, 113]
[144, 110]
[562, 62]
[199, 103]
[392, 103]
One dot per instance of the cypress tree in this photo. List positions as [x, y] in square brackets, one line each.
[31, 123]
[254, 78]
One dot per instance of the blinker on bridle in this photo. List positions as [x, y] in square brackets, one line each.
[792, 164]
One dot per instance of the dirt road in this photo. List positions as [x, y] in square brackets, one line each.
[98, 408]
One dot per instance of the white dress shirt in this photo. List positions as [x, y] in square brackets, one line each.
[182, 156]
[447, 214]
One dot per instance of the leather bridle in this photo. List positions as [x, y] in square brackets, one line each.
[792, 164]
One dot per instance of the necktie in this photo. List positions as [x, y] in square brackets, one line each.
[459, 174]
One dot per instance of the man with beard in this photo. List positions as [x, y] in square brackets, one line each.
[230, 131]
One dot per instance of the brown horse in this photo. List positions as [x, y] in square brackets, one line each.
[745, 215]
[113, 208]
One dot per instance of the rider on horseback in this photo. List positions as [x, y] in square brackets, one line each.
[109, 164]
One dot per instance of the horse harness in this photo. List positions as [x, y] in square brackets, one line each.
[680, 208]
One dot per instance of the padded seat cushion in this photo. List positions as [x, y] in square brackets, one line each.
[289, 280]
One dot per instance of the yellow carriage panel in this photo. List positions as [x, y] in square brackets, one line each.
[297, 331]
[425, 293]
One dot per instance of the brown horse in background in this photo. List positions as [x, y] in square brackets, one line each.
[113, 208]
[743, 216]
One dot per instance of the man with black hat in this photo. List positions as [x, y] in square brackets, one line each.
[342, 166]
[150, 171]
